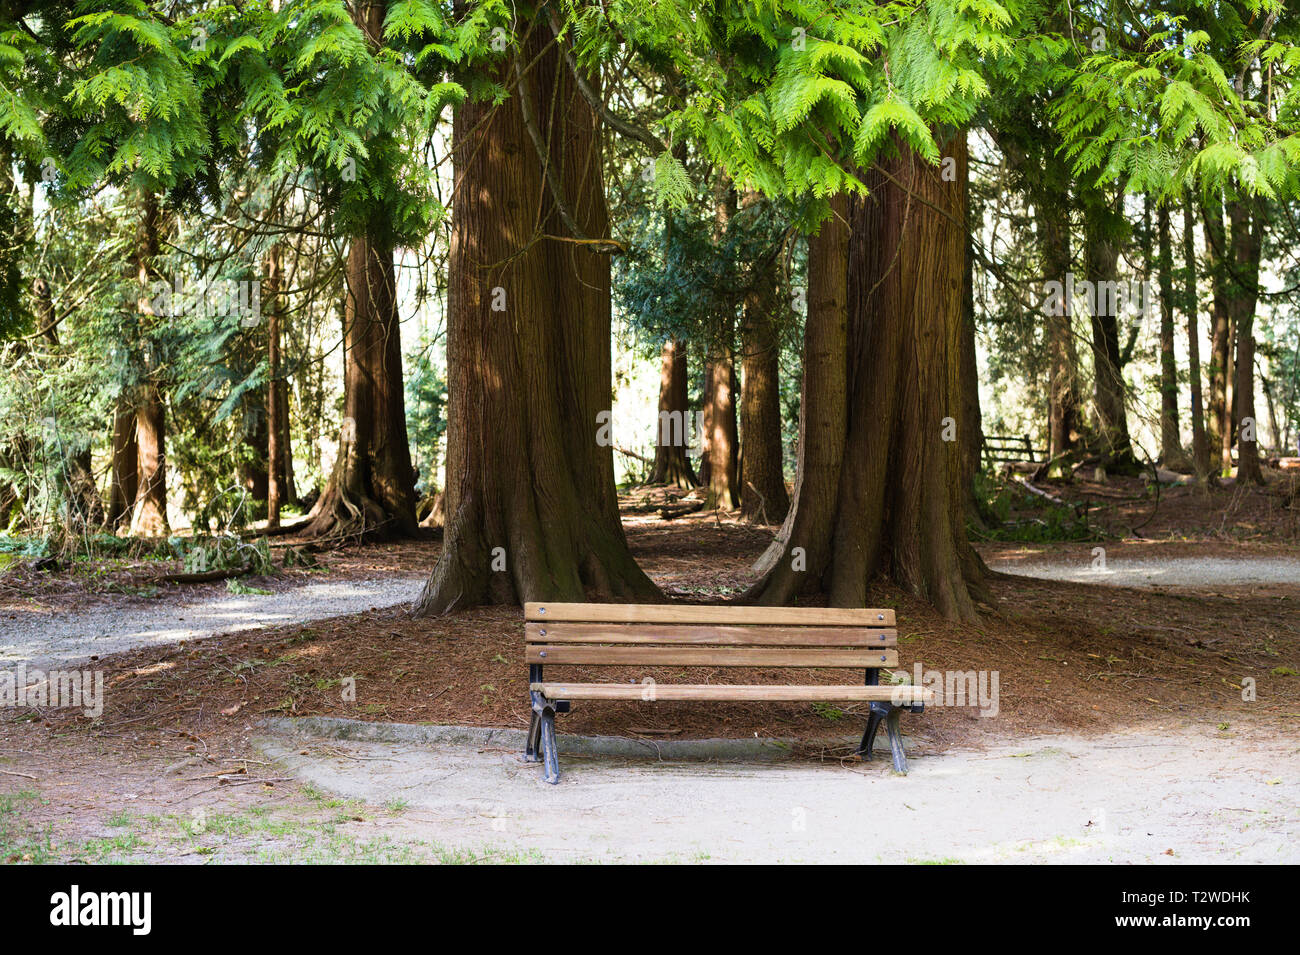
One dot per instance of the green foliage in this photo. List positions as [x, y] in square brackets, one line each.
[15, 316]
[1014, 516]
[426, 413]
[223, 552]
[790, 98]
[237, 117]
[1184, 107]
[236, 586]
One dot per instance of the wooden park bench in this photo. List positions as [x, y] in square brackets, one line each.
[663, 635]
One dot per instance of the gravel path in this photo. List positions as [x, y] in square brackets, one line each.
[1198, 572]
[41, 639]
[1175, 795]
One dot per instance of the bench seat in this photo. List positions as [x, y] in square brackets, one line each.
[720, 692]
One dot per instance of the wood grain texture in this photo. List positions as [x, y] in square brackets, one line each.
[728, 615]
[708, 656]
[656, 692]
[709, 634]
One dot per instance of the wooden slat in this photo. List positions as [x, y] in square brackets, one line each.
[722, 692]
[685, 613]
[709, 634]
[707, 656]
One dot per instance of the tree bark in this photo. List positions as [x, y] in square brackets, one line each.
[150, 516]
[765, 498]
[274, 392]
[1247, 242]
[532, 512]
[879, 488]
[1191, 307]
[1101, 265]
[673, 428]
[1171, 444]
[724, 442]
[1219, 424]
[254, 473]
[1065, 425]
[124, 480]
[970, 422]
[706, 424]
[149, 519]
[803, 550]
[723, 471]
[371, 490]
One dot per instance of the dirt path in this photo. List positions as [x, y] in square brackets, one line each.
[1161, 794]
[1190, 794]
[43, 638]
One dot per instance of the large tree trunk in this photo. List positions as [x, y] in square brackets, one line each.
[532, 512]
[673, 428]
[879, 488]
[765, 497]
[706, 424]
[257, 436]
[124, 467]
[1246, 248]
[289, 485]
[1171, 444]
[724, 442]
[1065, 426]
[274, 392]
[1191, 308]
[372, 487]
[1102, 270]
[150, 516]
[723, 470]
[1219, 424]
[149, 519]
[970, 423]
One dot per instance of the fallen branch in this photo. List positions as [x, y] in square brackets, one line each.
[202, 577]
[1039, 491]
[633, 454]
[681, 510]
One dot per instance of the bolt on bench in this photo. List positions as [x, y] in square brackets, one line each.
[655, 635]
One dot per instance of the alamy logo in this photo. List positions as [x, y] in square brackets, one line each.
[978, 688]
[674, 430]
[58, 689]
[1100, 298]
[209, 298]
[74, 907]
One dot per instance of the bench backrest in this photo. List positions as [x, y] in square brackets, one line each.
[682, 635]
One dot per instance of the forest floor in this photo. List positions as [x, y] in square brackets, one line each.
[178, 766]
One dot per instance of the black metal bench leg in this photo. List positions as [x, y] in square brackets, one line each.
[896, 738]
[869, 737]
[532, 746]
[550, 757]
